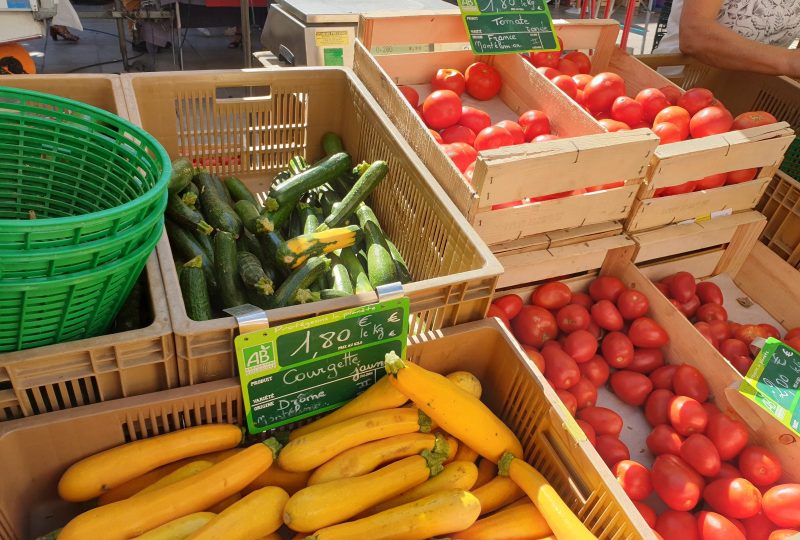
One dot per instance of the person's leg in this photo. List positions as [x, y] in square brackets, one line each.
[59, 31]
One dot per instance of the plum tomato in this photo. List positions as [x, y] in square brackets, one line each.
[596, 370]
[617, 350]
[534, 123]
[634, 479]
[699, 452]
[758, 527]
[482, 81]
[611, 450]
[585, 393]
[581, 345]
[720, 330]
[714, 526]
[510, 303]
[728, 435]
[632, 304]
[733, 497]
[573, 317]
[782, 505]
[560, 368]
[662, 377]
[606, 288]
[676, 483]
[603, 420]
[711, 182]
[646, 511]
[534, 326]
[588, 430]
[673, 525]
[534, 356]
[568, 400]
[441, 109]
[411, 95]
[740, 176]
[448, 79]
[552, 295]
[687, 415]
[760, 466]
[647, 333]
[664, 440]
[705, 330]
[496, 311]
[688, 308]
[709, 293]
[656, 408]
[474, 119]
[711, 312]
[606, 315]
[732, 348]
[688, 381]
[646, 360]
[682, 287]
[631, 387]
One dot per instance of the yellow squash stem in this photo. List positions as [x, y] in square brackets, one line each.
[179, 529]
[457, 412]
[497, 493]
[522, 522]
[254, 516]
[562, 521]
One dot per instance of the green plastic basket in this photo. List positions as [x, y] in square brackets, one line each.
[36, 312]
[71, 173]
[791, 161]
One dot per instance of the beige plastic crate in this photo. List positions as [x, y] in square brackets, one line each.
[250, 123]
[781, 204]
[514, 390]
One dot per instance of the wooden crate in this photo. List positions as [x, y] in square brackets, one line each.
[250, 123]
[31, 465]
[781, 205]
[407, 50]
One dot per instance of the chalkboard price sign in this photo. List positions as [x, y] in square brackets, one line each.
[508, 26]
[305, 368]
[773, 382]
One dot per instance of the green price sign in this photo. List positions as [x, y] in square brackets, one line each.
[773, 382]
[304, 368]
[508, 26]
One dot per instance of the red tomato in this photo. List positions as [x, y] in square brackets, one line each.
[534, 325]
[770, 330]
[441, 109]
[588, 430]
[634, 479]
[680, 189]
[758, 527]
[712, 312]
[695, 99]
[581, 80]
[699, 452]
[647, 513]
[672, 525]
[646, 360]
[709, 293]
[667, 133]
[617, 350]
[752, 119]
[682, 287]
[568, 400]
[510, 303]
[647, 333]
[573, 317]
[705, 329]
[677, 116]
[482, 81]
[728, 435]
[653, 102]
[631, 387]
[678, 485]
[760, 466]
[740, 176]
[534, 356]
[601, 92]
[545, 59]
[612, 126]
[664, 440]
[733, 497]
[603, 420]
[748, 332]
[663, 288]
[585, 393]
[545, 138]
[411, 95]
[784, 534]
[462, 154]
[733, 348]
[448, 79]
[711, 182]
[458, 133]
[566, 85]
[493, 137]
[720, 330]
[607, 316]
[662, 377]
[688, 381]
[742, 364]
[534, 123]
[782, 505]
[656, 409]
[495, 311]
[611, 450]
[567, 67]
[672, 93]
[549, 72]
[687, 416]
[727, 470]
[628, 110]
[580, 60]
[596, 370]
[689, 308]
[606, 288]
[515, 129]
[794, 343]
[552, 295]
[560, 368]
[710, 121]
[713, 526]
[474, 119]
[791, 334]
[436, 136]
[581, 345]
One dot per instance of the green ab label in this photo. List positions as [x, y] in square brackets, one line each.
[260, 359]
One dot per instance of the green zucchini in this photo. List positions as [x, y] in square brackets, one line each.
[215, 208]
[294, 226]
[195, 291]
[310, 219]
[366, 183]
[340, 278]
[191, 196]
[399, 262]
[380, 265]
[184, 215]
[327, 294]
[182, 172]
[332, 144]
[238, 191]
[221, 190]
[328, 200]
[252, 273]
[248, 214]
[271, 242]
[249, 242]
[206, 242]
[295, 251]
[187, 248]
[295, 187]
[364, 214]
[297, 165]
[231, 288]
[300, 280]
[358, 276]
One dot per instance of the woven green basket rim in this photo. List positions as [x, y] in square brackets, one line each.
[87, 275]
[103, 215]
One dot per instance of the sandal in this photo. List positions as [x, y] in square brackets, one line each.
[58, 31]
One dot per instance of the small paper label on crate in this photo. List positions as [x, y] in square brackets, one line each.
[773, 382]
[331, 38]
[508, 26]
[304, 368]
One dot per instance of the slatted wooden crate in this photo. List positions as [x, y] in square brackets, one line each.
[781, 204]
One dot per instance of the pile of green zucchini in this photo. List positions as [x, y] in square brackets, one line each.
[312, 238]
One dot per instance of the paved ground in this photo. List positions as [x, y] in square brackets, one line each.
[98, 49]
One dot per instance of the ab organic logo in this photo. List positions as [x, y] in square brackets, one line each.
[259, 359]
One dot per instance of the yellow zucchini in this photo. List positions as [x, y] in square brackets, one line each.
[179, 529]
[190, 469]
[562, 521]
[134, 516]
[467, 382]
[313, 449]
[458, 413]
[225, 503]
[290, 482]
[465, 453]
[441, 513]
[381, 395]
[456, 475]
[486, 471]
[522, 522]
[367, 457]
[336, 501]
[92, 476]
[497, 493]
[256, 515]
